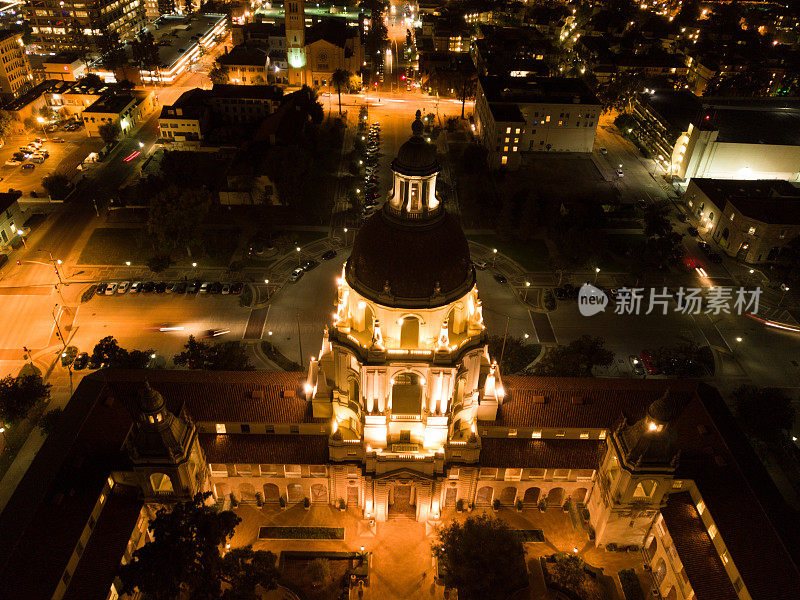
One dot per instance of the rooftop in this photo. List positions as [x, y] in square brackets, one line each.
[523, 90]
[769, 201]
[176, 35]
[111, 103]
[242, 55]
[506, 113]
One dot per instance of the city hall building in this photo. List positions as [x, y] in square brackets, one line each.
[403, 414]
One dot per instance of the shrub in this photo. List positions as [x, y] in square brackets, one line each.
[306, 502]
[259, 499]
[496, 504]
[342, 504]
[234, 501]
[282, 501]
[460, 505]
[246, 298]
[549, 300]
[518, 504]
[159, 262]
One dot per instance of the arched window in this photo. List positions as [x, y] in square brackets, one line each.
[161, 483]
[409, 333]
[645, 489]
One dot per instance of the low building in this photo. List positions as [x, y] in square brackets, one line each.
[12, 217]
[181, 41]
[16, 76]
[123, 109]
[185, 120]
[66, 66]
[517, 115]
[330, 45]
[246, 66]
[750, 220]
[72, 98]
[517, 51]
[28, 105]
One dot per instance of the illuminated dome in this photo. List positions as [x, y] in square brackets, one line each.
[416, 156]
[406, 263]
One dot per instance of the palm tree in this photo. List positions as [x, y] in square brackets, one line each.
[339, 78]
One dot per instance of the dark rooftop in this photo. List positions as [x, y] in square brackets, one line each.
[259, 92]
[769, 201]
[111, 103]
[506, 113]
[242, 55]
[565, 90]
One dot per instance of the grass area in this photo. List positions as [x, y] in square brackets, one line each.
[300, 533]
[115, 246]
[531, 256]
[530, 535]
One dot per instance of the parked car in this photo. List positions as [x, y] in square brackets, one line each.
[37, 159]
[215, 288]
[136, 287]
[203, 289]
[160, 287]
[148, 287]
[328, 254]
[692, 231]
[603, 151]
[13, 162]
[500, 278]
[28, 167]
[620, 173]
[296, 275]
[180, 287]
[309, 265]
[636, 365]
[171, 287]
[704, 246]
[123, 287]
[112, 288]
[193, 287]
[649, 363]
[80, 361]
[237, 288]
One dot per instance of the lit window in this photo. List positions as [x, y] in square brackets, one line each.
[560, 433]
[725, 557]
[517, 130]
[585, 435]
[677, 484]
[513, 474]
[504, 160]
[220, 427]
[505, 148]
[731, 216]
[507, 140]
[512, 433]
[515, 148]
[701, 507]
[453, 473]
[752, 231]
[508, 129]
[602, 435]
[292, 470]
[712, 531]
[536, 434]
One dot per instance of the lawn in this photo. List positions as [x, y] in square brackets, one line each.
[531, 256]
[116, 246]
[301, 533]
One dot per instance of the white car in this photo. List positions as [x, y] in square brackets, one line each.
[112, 288]
[620, 173]
[296, 274]
[13, 163]
[123, 287]
[603, 150]
[136, 287]
[204, 287]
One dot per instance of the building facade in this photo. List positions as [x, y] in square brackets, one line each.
[295, 22]
[16, 76]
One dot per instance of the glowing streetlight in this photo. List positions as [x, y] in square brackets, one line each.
[127, 263]
[596, 273]
[527, 286]
[194, 264]
[494, 256]
[785, 289]
[298, 255]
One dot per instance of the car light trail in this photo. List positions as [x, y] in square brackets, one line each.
[775, 324]
[131, 156]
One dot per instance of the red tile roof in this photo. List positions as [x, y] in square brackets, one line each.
[221, 396]
[101, 558]
[696, 550]
[541, 454]
[604, 400]
[265, 449]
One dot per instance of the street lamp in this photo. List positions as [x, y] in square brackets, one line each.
[596, 272]
[527, 286]
[266, 283]
[494, 256]
[41, 121]
[785, 289]
[55, 262]
[127, 263]
[5, 439]
[345, 234]
[298, 255]
[194, 265]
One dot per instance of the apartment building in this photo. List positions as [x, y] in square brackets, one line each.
[16, 76]
[518, 115]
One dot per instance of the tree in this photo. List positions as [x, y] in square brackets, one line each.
[662, 247]
[109, 131]
[217, 74]
[57, 185]
[176, 217]
[340, 77]
[144, 51]
[184, 558]
[766, 413]
[619, 92]
[112, 51]
[227, 356]
[319, 572]
[577, 359]
[105, 351]
[482, 558]
[516, 353]
[50, 420]
[159, 262]
[5, 124]
[92, 80]
[681, 360]
[18, 395]
[568, 570]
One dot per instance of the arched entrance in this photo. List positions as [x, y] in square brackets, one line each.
[508, 496]
[272, 494]
[161, 483]
[531, 497]
[402, 501]
[660, 571]
[484, 496]
[409, 332]
[319, 493]
[294, 493]
[578, 496]
[407, 394]
[555, 497]
[247, 493]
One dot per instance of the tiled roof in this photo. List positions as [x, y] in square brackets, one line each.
[265, 449]
[574, 402]
[220, 396]
[101, 559]
[700, 559]
[541, 454]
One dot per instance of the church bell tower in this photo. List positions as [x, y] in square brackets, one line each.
[295, 20]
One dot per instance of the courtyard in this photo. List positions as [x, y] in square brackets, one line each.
[401, 562]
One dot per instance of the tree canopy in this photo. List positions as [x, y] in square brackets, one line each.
[108, 352]
[684, 359]
[185, 558]
[176, 217]
[576, 359]
[482, 558]
[766, 413]
[20, 394]
[109, 132]
[516, 355]
[225, 356]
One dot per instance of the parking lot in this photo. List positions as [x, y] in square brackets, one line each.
[64, 158]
